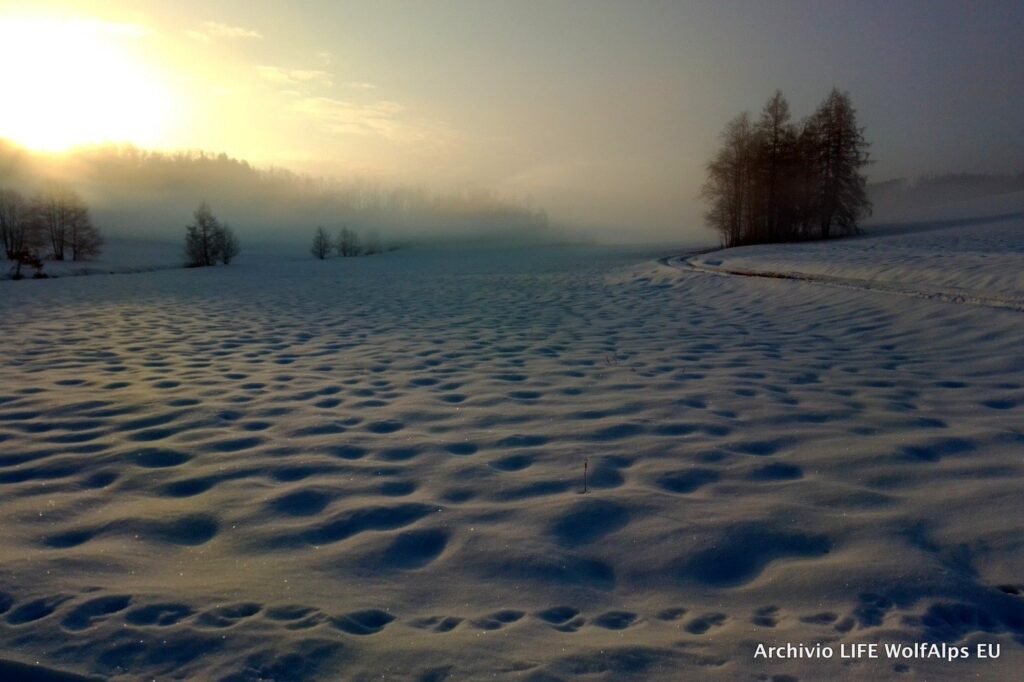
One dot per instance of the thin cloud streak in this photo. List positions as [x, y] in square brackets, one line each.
[294, 77]
[384, 119]
[209, 30]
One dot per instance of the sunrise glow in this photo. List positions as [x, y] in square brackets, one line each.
[78, 82]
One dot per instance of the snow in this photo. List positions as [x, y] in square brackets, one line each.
[371, 468]
[119, 255]
[970, 250]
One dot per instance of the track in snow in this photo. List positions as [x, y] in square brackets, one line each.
[684, 262]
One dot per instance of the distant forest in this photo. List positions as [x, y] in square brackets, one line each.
[146, 194]
[893, 196]
[775, 181]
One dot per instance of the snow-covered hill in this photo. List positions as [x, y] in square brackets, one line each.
[969, 250]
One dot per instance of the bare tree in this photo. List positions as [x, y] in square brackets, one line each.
[15, 223]
[729, 187]
[54, 210]
[47, 215]
[201, 238]
[57, 217]
[83, 238]
[774, 182]
[776, 140]
[226, 244]
[348, 243]
[805, 180]
[32, 260]
[841, 153]
[321, 244]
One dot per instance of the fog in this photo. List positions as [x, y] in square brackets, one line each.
[148, 195]
[139, 194]
[434, 116]
[895, 197]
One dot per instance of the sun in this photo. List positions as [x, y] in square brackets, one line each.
[77, 82]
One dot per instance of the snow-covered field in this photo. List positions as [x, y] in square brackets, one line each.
[372, 468]
[968, 252]
[119, 255]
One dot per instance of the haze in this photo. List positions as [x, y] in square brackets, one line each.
[602, 113]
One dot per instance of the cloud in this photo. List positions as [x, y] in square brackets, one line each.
[209, 30]
[350, 118]
[384, 118]
[360, 85]
[293, 77]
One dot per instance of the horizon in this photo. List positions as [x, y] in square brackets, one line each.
[601, 114]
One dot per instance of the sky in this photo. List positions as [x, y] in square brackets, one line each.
[603, 113]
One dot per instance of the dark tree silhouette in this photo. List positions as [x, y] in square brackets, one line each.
[321, 244]
[56, 211]
[841, 152]
[201, 238]
[776, 142]
[29, 258]
[56, 218]
[804, 181]
[15, 224]
[728, 190]
[226, 244]
[348, 243]
[773, 181]
[83, 238]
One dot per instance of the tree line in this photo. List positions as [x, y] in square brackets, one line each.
[893, 196]
[53, 224]
[144, 193]
[774, 181]
[346, 244]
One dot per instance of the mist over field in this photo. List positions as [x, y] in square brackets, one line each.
[602, 115]
[144, 195]
[150, 195]
[898, 196]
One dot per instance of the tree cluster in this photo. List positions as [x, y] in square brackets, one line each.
[775, 181]
[209, 241]
[346, 244]
[53, 224]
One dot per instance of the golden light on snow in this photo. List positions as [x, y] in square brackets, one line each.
[76, 82]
